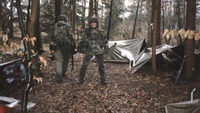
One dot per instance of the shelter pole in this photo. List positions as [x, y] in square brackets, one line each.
[135, 22]
[110, 19]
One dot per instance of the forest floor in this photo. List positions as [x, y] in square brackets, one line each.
[126, 92]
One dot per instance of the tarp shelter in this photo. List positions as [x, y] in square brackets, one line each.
[135, 51]
[184, 107]
[192, 106]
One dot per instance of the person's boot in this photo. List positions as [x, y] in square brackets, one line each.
[81, 80]
[64, 75]
[82, 76]
[59, 79]
[103, 81]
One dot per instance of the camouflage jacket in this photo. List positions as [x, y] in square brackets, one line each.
[94, 41]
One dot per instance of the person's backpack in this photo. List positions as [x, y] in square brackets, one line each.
[61, 34]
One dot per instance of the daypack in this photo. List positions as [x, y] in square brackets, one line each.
[61, 34]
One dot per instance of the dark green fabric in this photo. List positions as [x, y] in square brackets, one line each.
[93, 42]
[87, 59]
[64, 47]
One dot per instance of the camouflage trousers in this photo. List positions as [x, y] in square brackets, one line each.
[61, 60]
[87, 59]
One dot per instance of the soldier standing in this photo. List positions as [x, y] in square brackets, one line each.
[92, 44]
[62, 46]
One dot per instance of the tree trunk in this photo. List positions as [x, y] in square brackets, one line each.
[1, 7]
[1, 10]
[135, 21]
[149, 38]
[184, 16]
[110, 20]
[179, 14]
[83, 16]
[57, 9]
[156, 30]
[189, 44]
[34, 25]
[156, 21]
[163, 17]
[101, 19]
[152, 17]
[90, 14]
[73, 16]
[21, 23]
[28, 15]
[4, 23]
[11, 19]
[96, 7]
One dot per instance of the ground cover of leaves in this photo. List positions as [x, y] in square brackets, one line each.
[126, 92]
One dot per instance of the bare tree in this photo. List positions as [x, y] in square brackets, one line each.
[83, 14]
[33, 27]
[1, 10]
[57, 9]
[91, 8]
[11, 20]
[21, 23]
[96, 2]
[5, 19]
[189, 44]
[156, 12]
[135, 20]
[73, 15]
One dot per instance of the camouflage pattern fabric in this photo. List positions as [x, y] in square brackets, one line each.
[86, 61]
[93, 43]
[64, 46]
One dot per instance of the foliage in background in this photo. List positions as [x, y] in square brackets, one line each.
[116, 17]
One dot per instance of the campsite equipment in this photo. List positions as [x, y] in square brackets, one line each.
[134, 51]
[192, 106]
[11, 70]
[9, 104]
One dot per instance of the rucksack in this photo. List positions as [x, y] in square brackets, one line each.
[61, 34]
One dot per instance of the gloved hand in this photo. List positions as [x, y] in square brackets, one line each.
[103, 43]
[82, 46]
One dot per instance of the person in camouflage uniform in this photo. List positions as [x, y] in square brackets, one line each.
[92, 44]
[62, 46]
